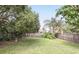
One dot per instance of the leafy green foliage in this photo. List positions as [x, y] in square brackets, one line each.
[56, 26]
[48, 35]
[17, 20]
[71, 15]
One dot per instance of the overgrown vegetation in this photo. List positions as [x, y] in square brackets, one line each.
[48, 35]
[16, 20]
[54, 25]
[71, 15]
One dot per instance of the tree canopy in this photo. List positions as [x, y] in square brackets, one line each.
[71, 15]
[55, 25]
[16, 20]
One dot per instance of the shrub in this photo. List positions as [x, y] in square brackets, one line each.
[3, 37]
[48, 35]
[6, 37]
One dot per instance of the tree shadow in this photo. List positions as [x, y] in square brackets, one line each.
[30, 41]
[72, 44]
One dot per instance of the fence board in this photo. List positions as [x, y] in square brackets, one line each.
[74, 37]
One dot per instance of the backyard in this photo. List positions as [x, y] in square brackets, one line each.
[26, 29]
[39, 46]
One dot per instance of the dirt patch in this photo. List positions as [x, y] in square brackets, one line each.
[6, 43]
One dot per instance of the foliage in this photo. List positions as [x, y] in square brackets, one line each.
[16, 20]
[56, 26]
[71, 15]
[29, 23]
[48, 35]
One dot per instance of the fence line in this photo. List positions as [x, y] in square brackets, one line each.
[34, 34]
[74, 37]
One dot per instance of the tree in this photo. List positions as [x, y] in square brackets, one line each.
[71, 15]
[28, 23]
[55, 25]
[16, 20]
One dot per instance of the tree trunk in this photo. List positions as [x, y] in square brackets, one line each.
[16, 40]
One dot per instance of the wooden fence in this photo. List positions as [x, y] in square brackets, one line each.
[34, 34]
[74, 37]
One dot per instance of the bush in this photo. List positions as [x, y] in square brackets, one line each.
[6, 37]
[3, 37]
[48, 35]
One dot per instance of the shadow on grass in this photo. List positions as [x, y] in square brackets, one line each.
[72, 44]
[30, 41]
[24, 42]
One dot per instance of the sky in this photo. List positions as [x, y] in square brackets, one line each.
[45, 12]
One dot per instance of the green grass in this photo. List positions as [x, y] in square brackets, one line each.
[40, 46]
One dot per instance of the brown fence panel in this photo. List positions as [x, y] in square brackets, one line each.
[34, 34]
[74, 37]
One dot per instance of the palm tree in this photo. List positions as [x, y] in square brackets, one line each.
[56, 26]
[48, 24]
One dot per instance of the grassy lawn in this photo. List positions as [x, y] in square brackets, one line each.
[41, 46]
